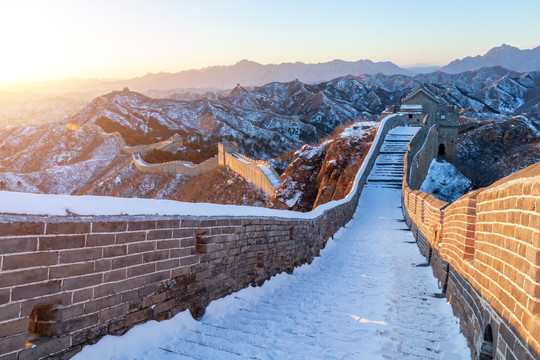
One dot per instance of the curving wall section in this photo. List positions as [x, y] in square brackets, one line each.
[485, 249]
[185, 168]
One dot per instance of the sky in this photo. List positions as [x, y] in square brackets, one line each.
[118, 39]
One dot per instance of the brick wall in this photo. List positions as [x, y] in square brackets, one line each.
[251, 173]
[102, 276]
[68, 281]
[488, 245]
[425, 151]
[185, 168]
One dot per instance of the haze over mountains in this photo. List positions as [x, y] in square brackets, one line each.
[249, 73]
[266, 121]
[506, 56]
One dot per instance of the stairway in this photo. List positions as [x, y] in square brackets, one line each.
[388, 169]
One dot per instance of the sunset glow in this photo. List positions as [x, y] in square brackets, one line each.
[44, 40]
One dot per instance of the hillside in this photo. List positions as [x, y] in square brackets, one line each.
[489, 150]
[71, 157]
[324, 172]
[506, 56]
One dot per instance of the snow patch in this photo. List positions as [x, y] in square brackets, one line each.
[445, 182]
[359, 129]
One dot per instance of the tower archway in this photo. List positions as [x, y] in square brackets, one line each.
[442, 150]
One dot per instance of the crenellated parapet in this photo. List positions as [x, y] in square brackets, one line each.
[485, 249]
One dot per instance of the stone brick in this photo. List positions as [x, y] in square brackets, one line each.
[82, 322]
[102, 303]
[89, 334]
[115, 275]
[109, 226]
[141, 247]
[183, 252]
[19, 228]
[112, 312]
[163, 307]
[61, 242]
[183, 233]
[68, 228]
[167, 264]
[17, 245]
[102, 265]
[130, 284]
[35, 290]
[535, 222]
[72, 256]
[4, 296]
[168, 244]
[141, 225]
[100, 239]
[158, 276]
[12, 262]
[139, 316]
[207, 223]
[168, 224]
[140, 270]
[82, 281]
[70, 270]
[188, 242]
[104, 290]
[22, 277]
[154, 299]
[155, 256]
[159, 234]
[82, 295]
[112, 251]
[189, 223]
[130, 295]
[14, 327]
[125, 261]
[190, 260]
[130, 237]
[13, 343]
[223, 222]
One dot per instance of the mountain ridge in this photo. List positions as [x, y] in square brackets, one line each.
[510, 57]
[250, 73]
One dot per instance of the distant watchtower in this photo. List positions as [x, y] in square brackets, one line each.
[422, 107]
[418, 103]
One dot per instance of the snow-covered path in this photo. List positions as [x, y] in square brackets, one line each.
[363, 298]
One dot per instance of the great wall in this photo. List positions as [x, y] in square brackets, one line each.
[258, 172]
[68, 280]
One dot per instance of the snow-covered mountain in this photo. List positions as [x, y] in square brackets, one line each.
[505, 55]
[70, 157]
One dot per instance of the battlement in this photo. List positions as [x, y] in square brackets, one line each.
[485, 249]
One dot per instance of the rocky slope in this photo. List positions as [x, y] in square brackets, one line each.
[71, 157]
[324, 172]
[488, 150]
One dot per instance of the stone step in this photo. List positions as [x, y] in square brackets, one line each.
[197, 350]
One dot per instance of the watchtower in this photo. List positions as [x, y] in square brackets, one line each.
[447, 121]
[418, 103]
[422, 107]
